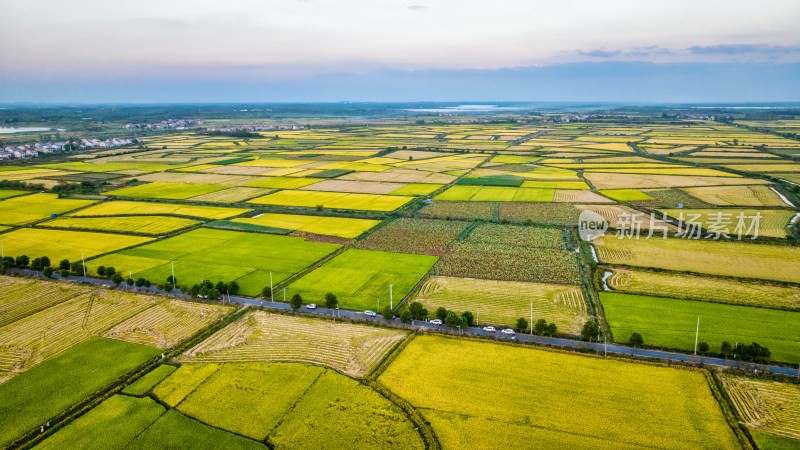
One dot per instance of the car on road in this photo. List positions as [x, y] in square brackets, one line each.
[435, 322]
[508, 331]
[311, 306]
[489, 329]
[370, 313]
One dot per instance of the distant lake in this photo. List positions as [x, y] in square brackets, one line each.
[467, 108]
[6, 130]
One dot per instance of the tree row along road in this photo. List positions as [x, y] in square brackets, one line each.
[600, 348]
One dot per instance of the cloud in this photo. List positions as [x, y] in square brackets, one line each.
[416, 7]
[738, 49]
[598, 52]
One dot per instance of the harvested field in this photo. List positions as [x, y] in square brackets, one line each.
[20, 297]
[333, 200]
[167, 323]
[573, 196]
[360, 187]
[728, 258]
[502, 302]
[258, 336]
[232, 195]
[198, 178]
[639, 181]
[737, 195]
[773, 223]
[401, 176]
[767, 406]
[717, 290]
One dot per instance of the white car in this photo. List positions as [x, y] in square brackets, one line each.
[508, 331]
[370, 313]
[489, 329]
[311, 306]
[435, 322]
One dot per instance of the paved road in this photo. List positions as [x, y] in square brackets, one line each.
[542, 340]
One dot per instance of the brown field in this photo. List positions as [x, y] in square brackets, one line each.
[635, 181]
[258, 336]
[736, 195]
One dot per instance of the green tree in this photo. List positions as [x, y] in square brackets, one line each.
[22, 261]
[65, 274]
[47, 271]
[296, 302]
[441, 313]
[140, 282]
[101, 271]
[540, 328]
[171, 279]
[167, 287]
[552, 330]
[267, 292]
[406, 316]
[703, 348]
[233, 288]
[468, 318]
[726, 349]
[522, 325]
[636, 340]
[110, 271]
[129, 281]
[76, 268]
[64, 264]
[214, 294]
[590, 331]
[452, 319]
[116, 279]
[330, 300]
[418, 312]
[387, 313]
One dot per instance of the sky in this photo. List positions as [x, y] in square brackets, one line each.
[385, 50]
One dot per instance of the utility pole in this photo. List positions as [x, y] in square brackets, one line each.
[605, 346]
[172, 264]
[271, 296]
[478, 320]
[284, 295]
[391, 300]
[531, 316]
[83, 262]
[696, 334]
[379, 306]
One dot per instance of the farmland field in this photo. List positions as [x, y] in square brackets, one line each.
[69, 314]
[62, 244]
[6, 193]
[178, 191]
[30, 208]
[770, 407]
[359, 277]
[458, 210]
[419, 236]
[332, 226]
[149, 208]
[151, 225]
[20, 297]
[31, 399]
[174, 430]
[351, 349]
[525, 395]
[737, 195]
[333, 200]
[220, 255]
[144, 384]
[772, 223]
[511, 253]
[111, 425]
[295, 406]
[671, 323]
[717, 290]
[502, 302]
[739, 259]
